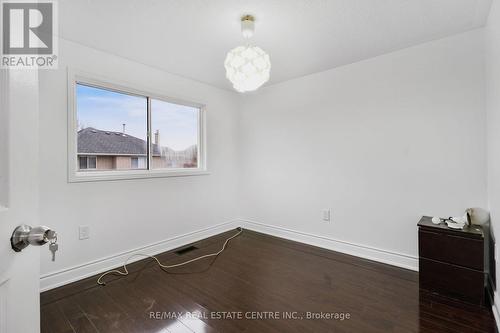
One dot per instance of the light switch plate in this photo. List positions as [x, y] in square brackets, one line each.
[326, 215]
[84, 232]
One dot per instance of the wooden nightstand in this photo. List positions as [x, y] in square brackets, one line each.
[454, 262]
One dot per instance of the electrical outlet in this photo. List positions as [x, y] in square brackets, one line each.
[326, 215]
[84, 232]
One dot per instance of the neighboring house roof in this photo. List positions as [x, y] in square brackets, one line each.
[94, 141]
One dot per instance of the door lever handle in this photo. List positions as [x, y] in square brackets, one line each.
[25, 235]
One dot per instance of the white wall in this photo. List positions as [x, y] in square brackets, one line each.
[381, 142]
[124, 215]
[492, 41]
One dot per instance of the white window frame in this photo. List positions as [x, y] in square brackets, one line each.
[74, 175]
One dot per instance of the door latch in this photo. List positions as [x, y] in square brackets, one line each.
[25, 235]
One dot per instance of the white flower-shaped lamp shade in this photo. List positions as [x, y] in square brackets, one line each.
[247, 67]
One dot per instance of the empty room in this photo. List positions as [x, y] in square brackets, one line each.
[193, 166]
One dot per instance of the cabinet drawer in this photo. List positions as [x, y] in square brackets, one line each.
[450, 280]
[462, 251]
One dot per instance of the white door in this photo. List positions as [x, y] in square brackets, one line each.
[19, 271]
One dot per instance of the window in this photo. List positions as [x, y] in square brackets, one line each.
[111, 125]
[135, 163]
[120, 133]
[87, 162]
[175, 128]
[139, 162]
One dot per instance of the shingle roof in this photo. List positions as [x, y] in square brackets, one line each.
[94, 141]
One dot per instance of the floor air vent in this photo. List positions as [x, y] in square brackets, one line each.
[186, 249]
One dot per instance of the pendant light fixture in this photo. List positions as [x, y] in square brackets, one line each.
[247, 67]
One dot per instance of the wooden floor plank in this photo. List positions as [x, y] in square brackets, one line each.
[258, 273]
[74, 315]
[53, 320]
[132, 300]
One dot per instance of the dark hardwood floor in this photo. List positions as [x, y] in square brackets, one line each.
[258, 275]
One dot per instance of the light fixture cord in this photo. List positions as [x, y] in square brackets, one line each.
[125, 271]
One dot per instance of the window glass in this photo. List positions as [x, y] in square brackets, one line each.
[92, 162]
[82, 162]
[111, 125]
[123, 131]
[175, 135]
[135, 163]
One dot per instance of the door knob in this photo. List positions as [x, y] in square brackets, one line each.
[25, 235]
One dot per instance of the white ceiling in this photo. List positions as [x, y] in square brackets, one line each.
[192, 37]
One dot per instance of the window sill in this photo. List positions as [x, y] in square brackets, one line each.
[97, 176]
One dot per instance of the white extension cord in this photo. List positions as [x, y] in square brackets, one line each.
[125, 271]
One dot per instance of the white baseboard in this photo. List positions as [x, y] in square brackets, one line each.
[384, 256]
[82, 271]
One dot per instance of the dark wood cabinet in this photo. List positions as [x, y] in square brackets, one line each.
[454, 262]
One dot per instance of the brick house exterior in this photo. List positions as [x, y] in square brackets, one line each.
[106, 150]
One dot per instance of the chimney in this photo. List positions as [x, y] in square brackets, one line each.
[157, 138]
[123, 128]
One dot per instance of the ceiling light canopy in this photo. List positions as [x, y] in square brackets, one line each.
[247, 67]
